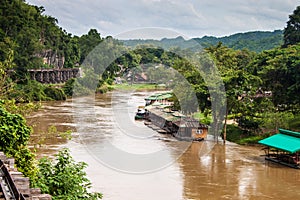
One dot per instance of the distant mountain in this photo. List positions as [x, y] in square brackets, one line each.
[165, 42]
[255, 41]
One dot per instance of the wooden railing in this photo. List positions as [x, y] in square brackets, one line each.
[8, 186]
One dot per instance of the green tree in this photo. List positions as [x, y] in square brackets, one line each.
[34, 35]
[64, 178]
[279, 70]
[292, 30]
[6, 85]
[88, 42]
[14, 136]
[187, 91]
[237, 79]
[72, 52]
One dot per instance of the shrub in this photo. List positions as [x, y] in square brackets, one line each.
[35, 91]
[234, 133]
[55, 93]
[251, 139]
[104, 88]
[31, 91]
[14, 136]
[64, 178]
[68, 87]
[74, 88]
[294, 123]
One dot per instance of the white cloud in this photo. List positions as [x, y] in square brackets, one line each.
[193, 18]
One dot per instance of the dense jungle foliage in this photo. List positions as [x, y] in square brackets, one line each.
[261, 79]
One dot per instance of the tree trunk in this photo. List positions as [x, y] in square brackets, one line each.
[214, 126]
[225, 127]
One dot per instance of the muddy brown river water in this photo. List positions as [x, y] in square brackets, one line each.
[129, 161]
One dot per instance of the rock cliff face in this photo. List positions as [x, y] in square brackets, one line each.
[52, 58]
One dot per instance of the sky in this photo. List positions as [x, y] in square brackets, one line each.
[156, 19]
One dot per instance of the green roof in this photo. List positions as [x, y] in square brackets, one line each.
[165, 96]
[291, 133]
[160, 96]
[284, 140]
[152, 97]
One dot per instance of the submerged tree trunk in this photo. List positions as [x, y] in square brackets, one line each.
[225, 127]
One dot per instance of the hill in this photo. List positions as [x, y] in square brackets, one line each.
[257, 41]
[35, 38]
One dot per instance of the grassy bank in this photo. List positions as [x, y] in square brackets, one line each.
[202, 117]
[243, 137]
[138, 86]
[234, 133]
[34, 91]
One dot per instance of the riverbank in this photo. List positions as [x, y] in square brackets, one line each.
[139, 86]
[234, 133]
[242, 137]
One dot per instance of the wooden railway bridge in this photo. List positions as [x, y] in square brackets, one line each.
[53, 76]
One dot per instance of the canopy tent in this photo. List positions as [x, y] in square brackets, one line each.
[285, 140]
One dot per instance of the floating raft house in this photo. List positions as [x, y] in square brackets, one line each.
[283, 148]
[175, 123]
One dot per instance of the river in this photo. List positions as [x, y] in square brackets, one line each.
[128, 160]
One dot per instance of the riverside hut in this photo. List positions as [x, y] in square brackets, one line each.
[283, 148]
[189, 129]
